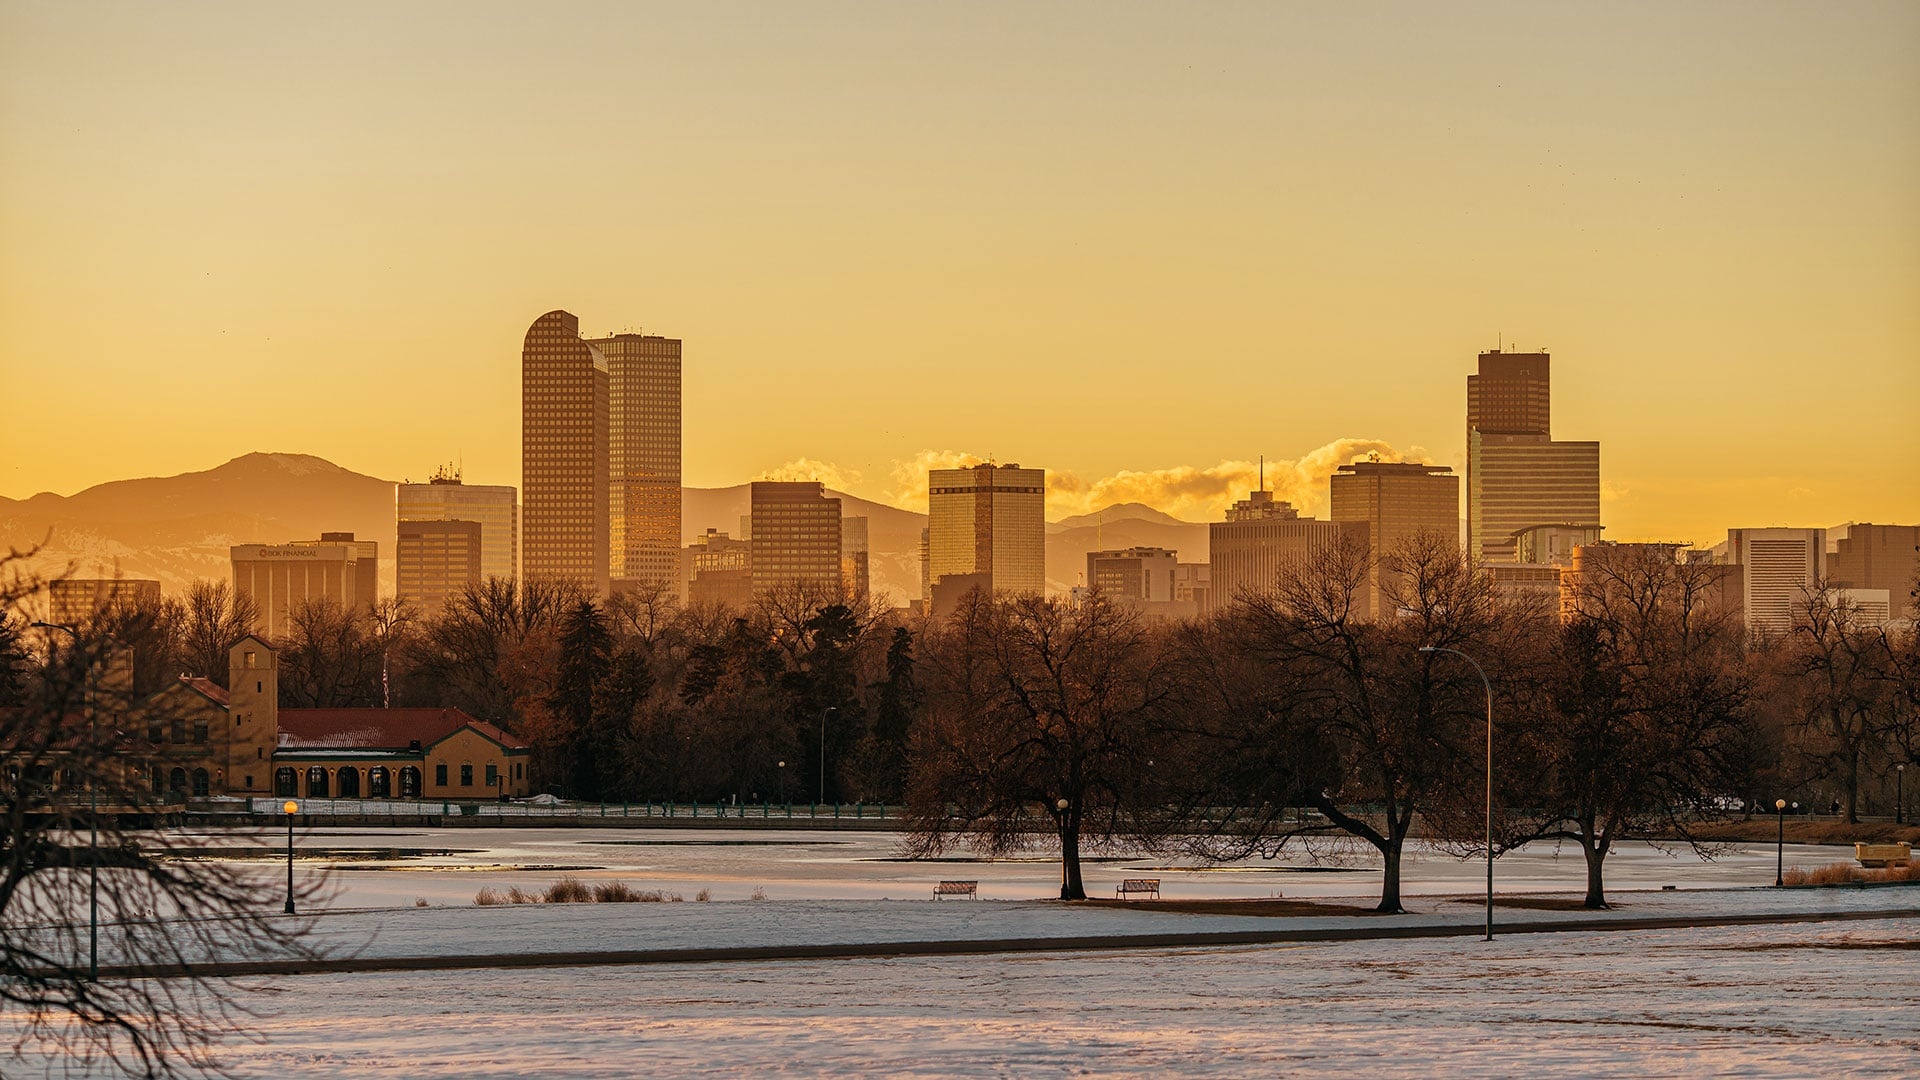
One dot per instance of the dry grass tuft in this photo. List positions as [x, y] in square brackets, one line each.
[758, 893]
[516, 896]
[569, 890]
[703, 895]
[1842, 873]
[489, 897]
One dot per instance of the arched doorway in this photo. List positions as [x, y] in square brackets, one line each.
[285, 781]
[349, 778]
[379, 782]
[177, 782]
[409, 782]
[317, 782]
[201, 783]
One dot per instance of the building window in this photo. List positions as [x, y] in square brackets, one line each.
[202, 784]
[156, 732]
[440, 775]
[493, 775]
[409, 782]
[466, 776]
[200, 732]
[285, 781]
[317, 782]
[516, 770]
[249, 781]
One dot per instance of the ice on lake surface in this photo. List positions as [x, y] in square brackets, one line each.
[733, 863]
[1775, 1000]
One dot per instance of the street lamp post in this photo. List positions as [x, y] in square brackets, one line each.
[823, 749]
[1484, 681]
[1900, 794]
[1780, 844]
[93, 811]
[291, 808]
[783, 783]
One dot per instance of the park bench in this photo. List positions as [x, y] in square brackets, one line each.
[1899, 854]
[1149, 886]
[968, 889]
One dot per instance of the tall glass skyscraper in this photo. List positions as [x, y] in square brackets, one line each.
[643, 448]
[988, 523]
[564, 489]
[1518, 477]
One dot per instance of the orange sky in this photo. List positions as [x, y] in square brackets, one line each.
[1100, 239]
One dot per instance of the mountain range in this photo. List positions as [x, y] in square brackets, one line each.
[178, 528]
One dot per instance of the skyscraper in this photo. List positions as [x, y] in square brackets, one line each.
[988, 523]
[855, 557]
[796, 536]
[1517, 476]
[1400, 502]
[493, 506]
[436, 560]
[564, 423]
[1262, 538]
[643, 446]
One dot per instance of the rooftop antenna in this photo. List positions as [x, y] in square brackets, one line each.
[1263, 472]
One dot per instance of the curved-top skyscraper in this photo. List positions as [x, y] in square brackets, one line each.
[565, 503]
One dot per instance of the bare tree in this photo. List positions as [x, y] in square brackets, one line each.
[153, 1009]
[1046, 713]
[1838, 670]
[1389, 727]
[214, 618]
[1641, 723]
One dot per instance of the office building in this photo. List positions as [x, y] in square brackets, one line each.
[718, 569]
[1263, 538]
[856, 557]
[1864, 556]
[493, 506]
[279, 578]
[435, 561]
[1139, 574]
[76, 601]
[1193, 586]
[1400, 503]
[1780, 569]
[566, 526]
[643, 447]
[796, 536]
[987, 524]
[1518, 477]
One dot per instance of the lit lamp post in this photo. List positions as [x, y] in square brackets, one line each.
[93, 812]
[1780, 843]
[823, 750]
[291, 808]
[1484, 681]
[783, 783]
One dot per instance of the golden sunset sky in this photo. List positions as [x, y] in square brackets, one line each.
[1100, 239]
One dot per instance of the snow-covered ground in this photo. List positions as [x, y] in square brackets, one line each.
[396, 867]
[1777, 1000]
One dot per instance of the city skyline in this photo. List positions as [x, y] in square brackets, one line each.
[1642, 205]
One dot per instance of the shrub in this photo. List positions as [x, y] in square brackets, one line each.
[516, 896]
[615, 892]
[758, 893]
[488, 897]
[419, 901]
[702, 896]
[569, 890]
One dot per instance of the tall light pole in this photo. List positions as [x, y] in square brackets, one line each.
[291, 808]
[823, 750]
[93, 810]
[1780, 844]
[1484, 681]
[1900, 794]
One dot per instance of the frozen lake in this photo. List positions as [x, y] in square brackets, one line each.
[398, 867]
[1777, 1000]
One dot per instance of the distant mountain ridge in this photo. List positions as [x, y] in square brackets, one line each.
[177, 529]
